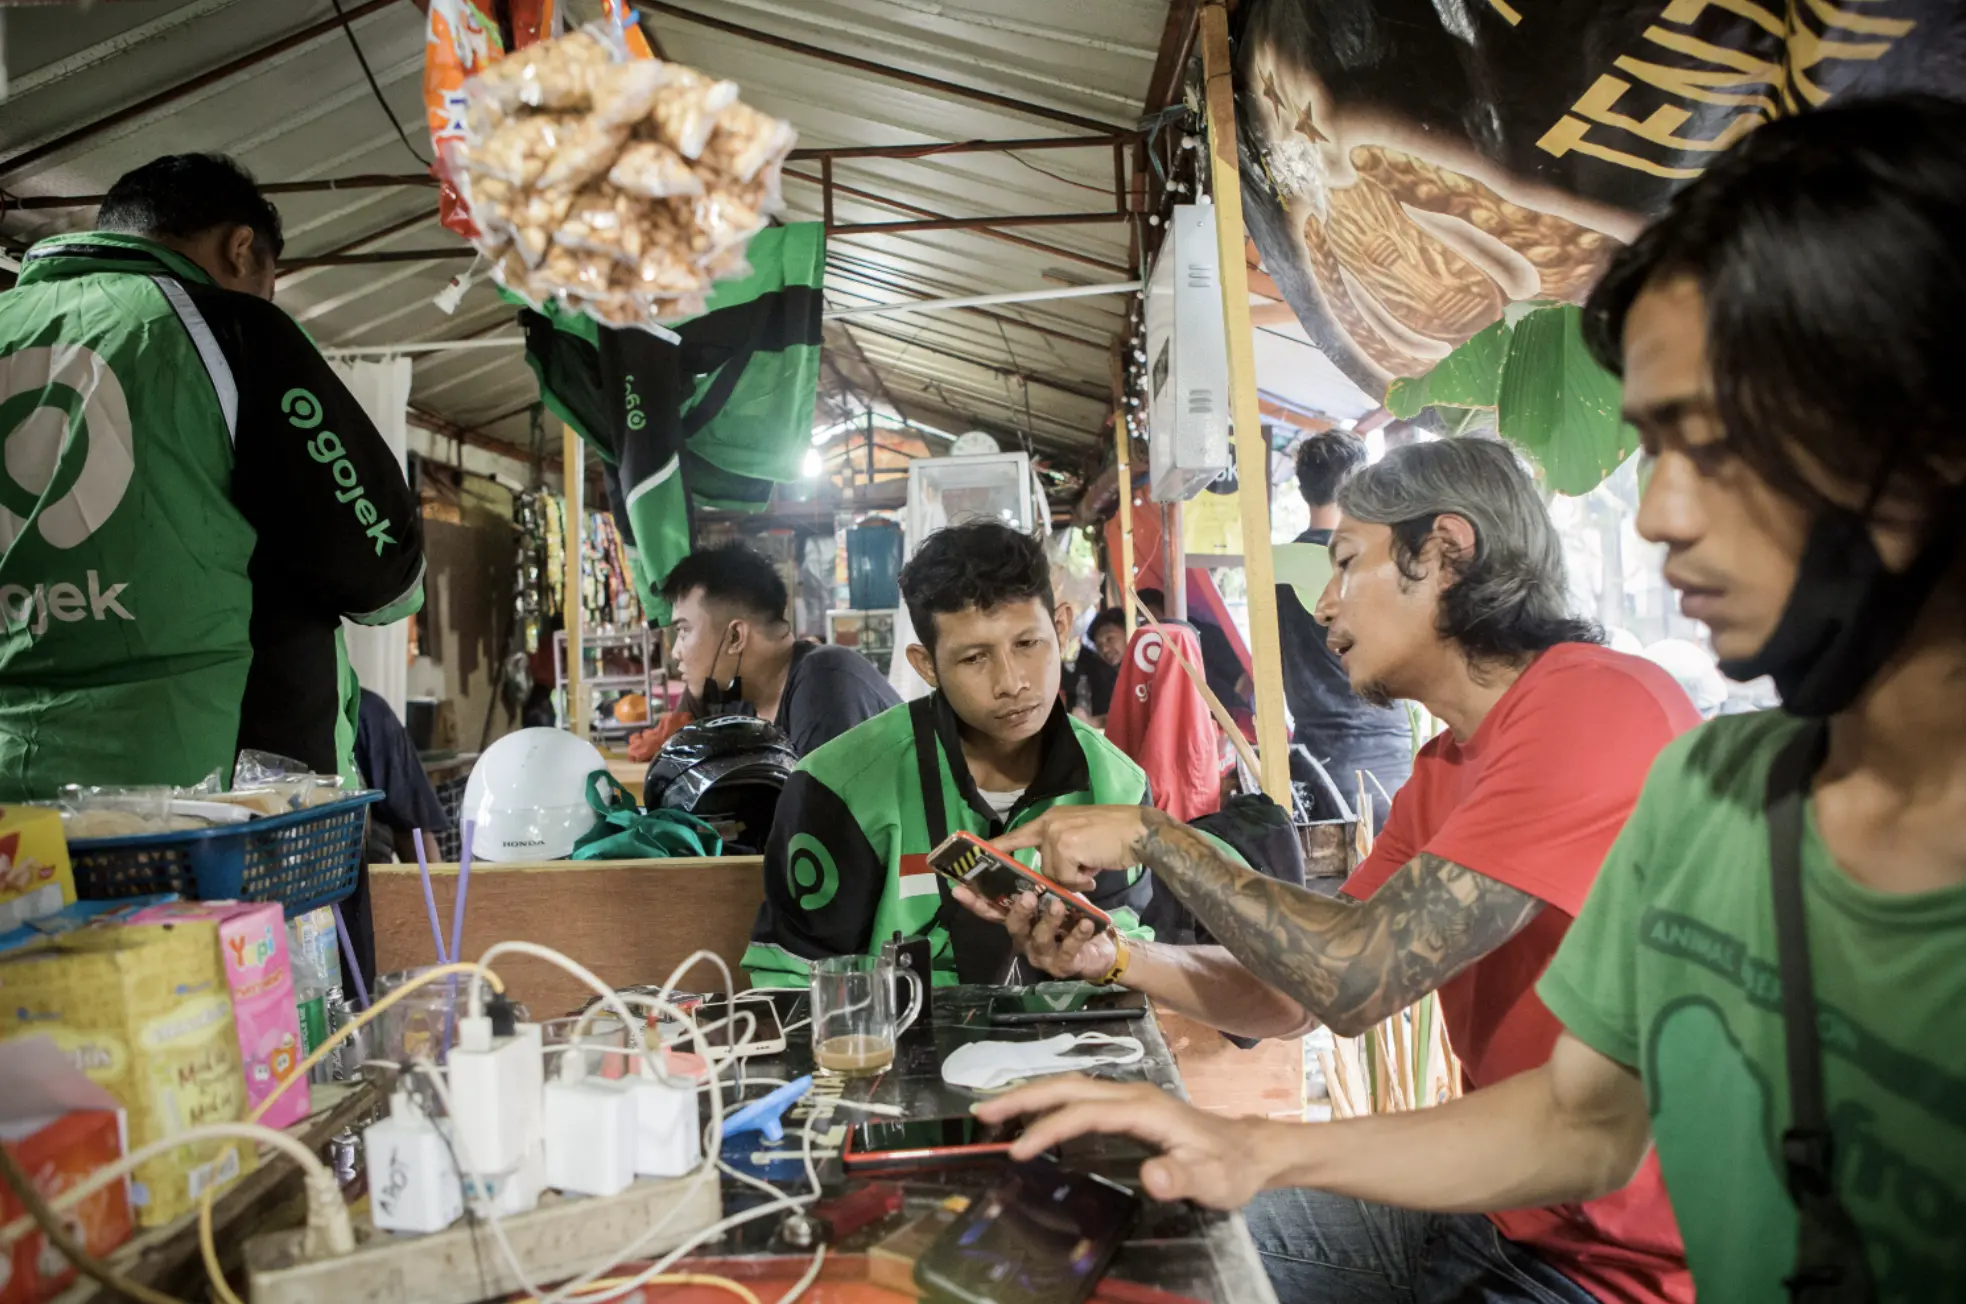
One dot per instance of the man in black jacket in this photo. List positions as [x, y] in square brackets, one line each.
[1342, 730]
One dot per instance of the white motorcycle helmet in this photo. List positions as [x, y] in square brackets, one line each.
[527, 795]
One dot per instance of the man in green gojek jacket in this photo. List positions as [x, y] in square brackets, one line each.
[190, 501]
[992, 748]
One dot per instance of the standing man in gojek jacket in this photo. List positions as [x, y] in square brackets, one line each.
[190, 501]
[992, 748]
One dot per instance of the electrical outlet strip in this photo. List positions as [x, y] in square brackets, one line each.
[560, 1238]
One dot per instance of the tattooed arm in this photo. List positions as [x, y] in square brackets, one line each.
[1349, 964]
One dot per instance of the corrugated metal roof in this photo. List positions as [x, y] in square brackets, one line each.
[307, 113]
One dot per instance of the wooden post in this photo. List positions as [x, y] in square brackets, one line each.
[1123, 469]
[573, 473]
[1175, 551]
[1252, 447]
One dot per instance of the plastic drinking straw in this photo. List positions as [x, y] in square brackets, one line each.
[463, 888]
[430, 898]
[457, 925]
[348, 954]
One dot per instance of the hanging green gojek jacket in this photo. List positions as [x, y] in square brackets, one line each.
[847, 864]
[190, 502]
[716, 421]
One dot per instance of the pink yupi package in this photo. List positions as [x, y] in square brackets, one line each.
[252, 942]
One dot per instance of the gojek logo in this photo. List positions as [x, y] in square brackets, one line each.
[65, 464]
[810, 872]
[67, 459]
[304, 413]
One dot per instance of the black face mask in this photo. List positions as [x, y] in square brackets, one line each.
[1845, 617]
[719, 699]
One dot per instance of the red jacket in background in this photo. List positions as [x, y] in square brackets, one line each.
[1159, 719]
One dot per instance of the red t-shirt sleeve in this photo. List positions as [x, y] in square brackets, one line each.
[1560, 778]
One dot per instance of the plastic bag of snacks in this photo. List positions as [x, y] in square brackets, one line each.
[618, 185]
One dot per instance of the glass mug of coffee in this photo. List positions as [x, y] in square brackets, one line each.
[853, 1021]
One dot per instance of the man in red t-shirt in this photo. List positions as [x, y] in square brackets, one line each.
[1447, 589]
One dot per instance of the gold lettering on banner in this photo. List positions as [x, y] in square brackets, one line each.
[1602, 124]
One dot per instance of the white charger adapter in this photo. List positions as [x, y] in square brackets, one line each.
[590, 1133]
[668, 1135]
[413, 1184]
[497, 1087]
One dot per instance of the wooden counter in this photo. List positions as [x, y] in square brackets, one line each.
[630, 921]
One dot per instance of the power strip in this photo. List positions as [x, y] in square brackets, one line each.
[560, 1238]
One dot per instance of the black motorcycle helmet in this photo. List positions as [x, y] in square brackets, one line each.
[727, 770]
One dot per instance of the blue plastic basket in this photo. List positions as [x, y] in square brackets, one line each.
[307, 859]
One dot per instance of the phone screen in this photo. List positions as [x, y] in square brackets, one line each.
[714, 1018]
[1041, 1236]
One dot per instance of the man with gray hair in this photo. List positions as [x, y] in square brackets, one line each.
[1447, 589]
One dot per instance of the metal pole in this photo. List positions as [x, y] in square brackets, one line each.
[899, 206]
[974, 223]
[573, 473]
[981, 300]
[1252, 450]
[431, 346]
[1123, 469]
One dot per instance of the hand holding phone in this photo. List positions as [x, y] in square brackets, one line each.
[996, 878]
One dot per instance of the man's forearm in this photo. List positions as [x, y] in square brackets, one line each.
[1350, 964]
[1271, 939]
[1511, 1146]
[1209, 984]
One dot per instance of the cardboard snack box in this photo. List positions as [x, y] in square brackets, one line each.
[35, 876]
[252, 947]
[146, 1014]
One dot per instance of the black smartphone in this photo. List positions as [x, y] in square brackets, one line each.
[967, 859]
[1065, 1003]
[1040, 1236]
[925, 1143]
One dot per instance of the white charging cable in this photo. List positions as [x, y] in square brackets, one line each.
[329, 1232]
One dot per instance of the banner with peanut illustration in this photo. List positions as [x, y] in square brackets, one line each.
[1412, 167]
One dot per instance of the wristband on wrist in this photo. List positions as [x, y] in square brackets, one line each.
[1121, 954]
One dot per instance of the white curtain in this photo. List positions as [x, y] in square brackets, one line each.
[380, 654]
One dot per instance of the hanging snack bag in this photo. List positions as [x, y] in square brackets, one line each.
[615, 184]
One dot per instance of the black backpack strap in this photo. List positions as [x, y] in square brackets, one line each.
[921, 714]
[982, 948]
[1831, 1266]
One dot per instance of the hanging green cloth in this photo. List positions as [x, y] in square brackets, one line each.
[717, 421]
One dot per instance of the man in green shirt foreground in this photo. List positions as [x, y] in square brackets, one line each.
[991, 749]
[1787, 333]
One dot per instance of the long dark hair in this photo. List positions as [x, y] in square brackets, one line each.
[1827, 248]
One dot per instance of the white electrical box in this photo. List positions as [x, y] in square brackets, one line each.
[1187, 359]
[953, 490]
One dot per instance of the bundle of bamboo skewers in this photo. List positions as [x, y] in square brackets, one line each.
[1403, 1063]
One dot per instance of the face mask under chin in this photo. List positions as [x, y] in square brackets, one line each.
[1846, 616]
[719, 699]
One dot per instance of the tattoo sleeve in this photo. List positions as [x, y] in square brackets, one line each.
[1349, 963]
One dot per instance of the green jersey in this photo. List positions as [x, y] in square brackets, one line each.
[847, 864]
[190, 503]
[1671, 969]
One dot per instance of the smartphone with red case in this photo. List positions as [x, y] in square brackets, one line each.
[925, 1143]
[967, 859]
